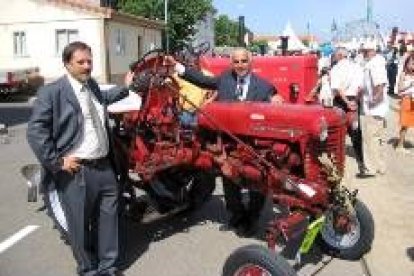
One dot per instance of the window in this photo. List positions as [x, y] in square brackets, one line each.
[120, 42]
[19, 44]
[64, 37]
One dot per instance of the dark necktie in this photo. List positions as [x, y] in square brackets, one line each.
[240, 88]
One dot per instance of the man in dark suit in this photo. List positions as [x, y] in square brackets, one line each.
[68, 134]
[238, 83]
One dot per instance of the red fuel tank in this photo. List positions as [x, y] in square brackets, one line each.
[266, 120]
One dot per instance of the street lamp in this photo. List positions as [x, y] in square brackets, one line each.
[167, 42]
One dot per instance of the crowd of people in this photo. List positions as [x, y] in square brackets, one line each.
[358, 83]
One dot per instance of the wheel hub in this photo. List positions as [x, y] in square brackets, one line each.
[252, 270]
[341, 230]
[342, 223]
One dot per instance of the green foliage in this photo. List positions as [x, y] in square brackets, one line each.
[256, 46]
[226, 31]
[182, 15]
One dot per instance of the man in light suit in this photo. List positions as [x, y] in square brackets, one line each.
[238, 83]
[68, 134]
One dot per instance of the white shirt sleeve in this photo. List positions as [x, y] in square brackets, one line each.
[378, 73]
[357, 80]
[179, 68]
[335, 78]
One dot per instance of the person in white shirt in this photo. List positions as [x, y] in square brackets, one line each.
[375, 107]
[322, 90]
[346, 84]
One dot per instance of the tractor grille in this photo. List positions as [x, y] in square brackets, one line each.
[335, 147]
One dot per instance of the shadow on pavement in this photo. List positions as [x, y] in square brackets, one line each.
[393, 141]
[410, 253]
[136, 237]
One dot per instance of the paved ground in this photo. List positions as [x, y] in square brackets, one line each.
[195, 245]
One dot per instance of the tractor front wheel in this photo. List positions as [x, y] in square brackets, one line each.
[256, 260]
[348, 235]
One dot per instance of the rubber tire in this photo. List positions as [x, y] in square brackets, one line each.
[56, 224]
[258, 255]
[363, 245]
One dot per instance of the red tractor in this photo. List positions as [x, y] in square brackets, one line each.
[293, 153]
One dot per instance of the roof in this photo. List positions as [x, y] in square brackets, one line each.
[107, 13]
[277, 38]
[266, 37]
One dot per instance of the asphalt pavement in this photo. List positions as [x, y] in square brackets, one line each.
[196, 244]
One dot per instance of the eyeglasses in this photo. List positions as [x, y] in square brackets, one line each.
[240, 61]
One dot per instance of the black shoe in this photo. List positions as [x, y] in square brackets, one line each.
[364, 172]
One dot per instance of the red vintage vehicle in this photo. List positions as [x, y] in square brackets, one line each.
[293, 153]
[293, 76]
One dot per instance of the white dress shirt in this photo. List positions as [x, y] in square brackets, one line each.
[93, 144]
[375, 74]
[347, 76]
[244, 86]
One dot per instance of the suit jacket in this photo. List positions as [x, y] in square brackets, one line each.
[55, 125]
[226, 83]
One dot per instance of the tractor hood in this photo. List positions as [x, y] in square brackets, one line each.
[268, 120]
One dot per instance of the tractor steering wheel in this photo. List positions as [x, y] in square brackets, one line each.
[150, 70]
[190, 55]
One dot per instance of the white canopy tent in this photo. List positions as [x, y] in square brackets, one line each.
[294, 43]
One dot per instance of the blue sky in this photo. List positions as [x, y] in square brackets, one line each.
[270, 16]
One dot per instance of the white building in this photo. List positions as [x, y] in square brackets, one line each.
[34, 32]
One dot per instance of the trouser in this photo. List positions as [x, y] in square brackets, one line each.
[353, 129]
[374, 136]
[234, 203]
[90, 204]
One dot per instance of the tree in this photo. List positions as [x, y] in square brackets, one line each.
[182, 15]
[259, 46]
[226, 31]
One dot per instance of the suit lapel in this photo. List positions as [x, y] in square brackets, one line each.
[69, 94]
[251, 91]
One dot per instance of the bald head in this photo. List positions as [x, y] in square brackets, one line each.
[241, 60]
[340, 53]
